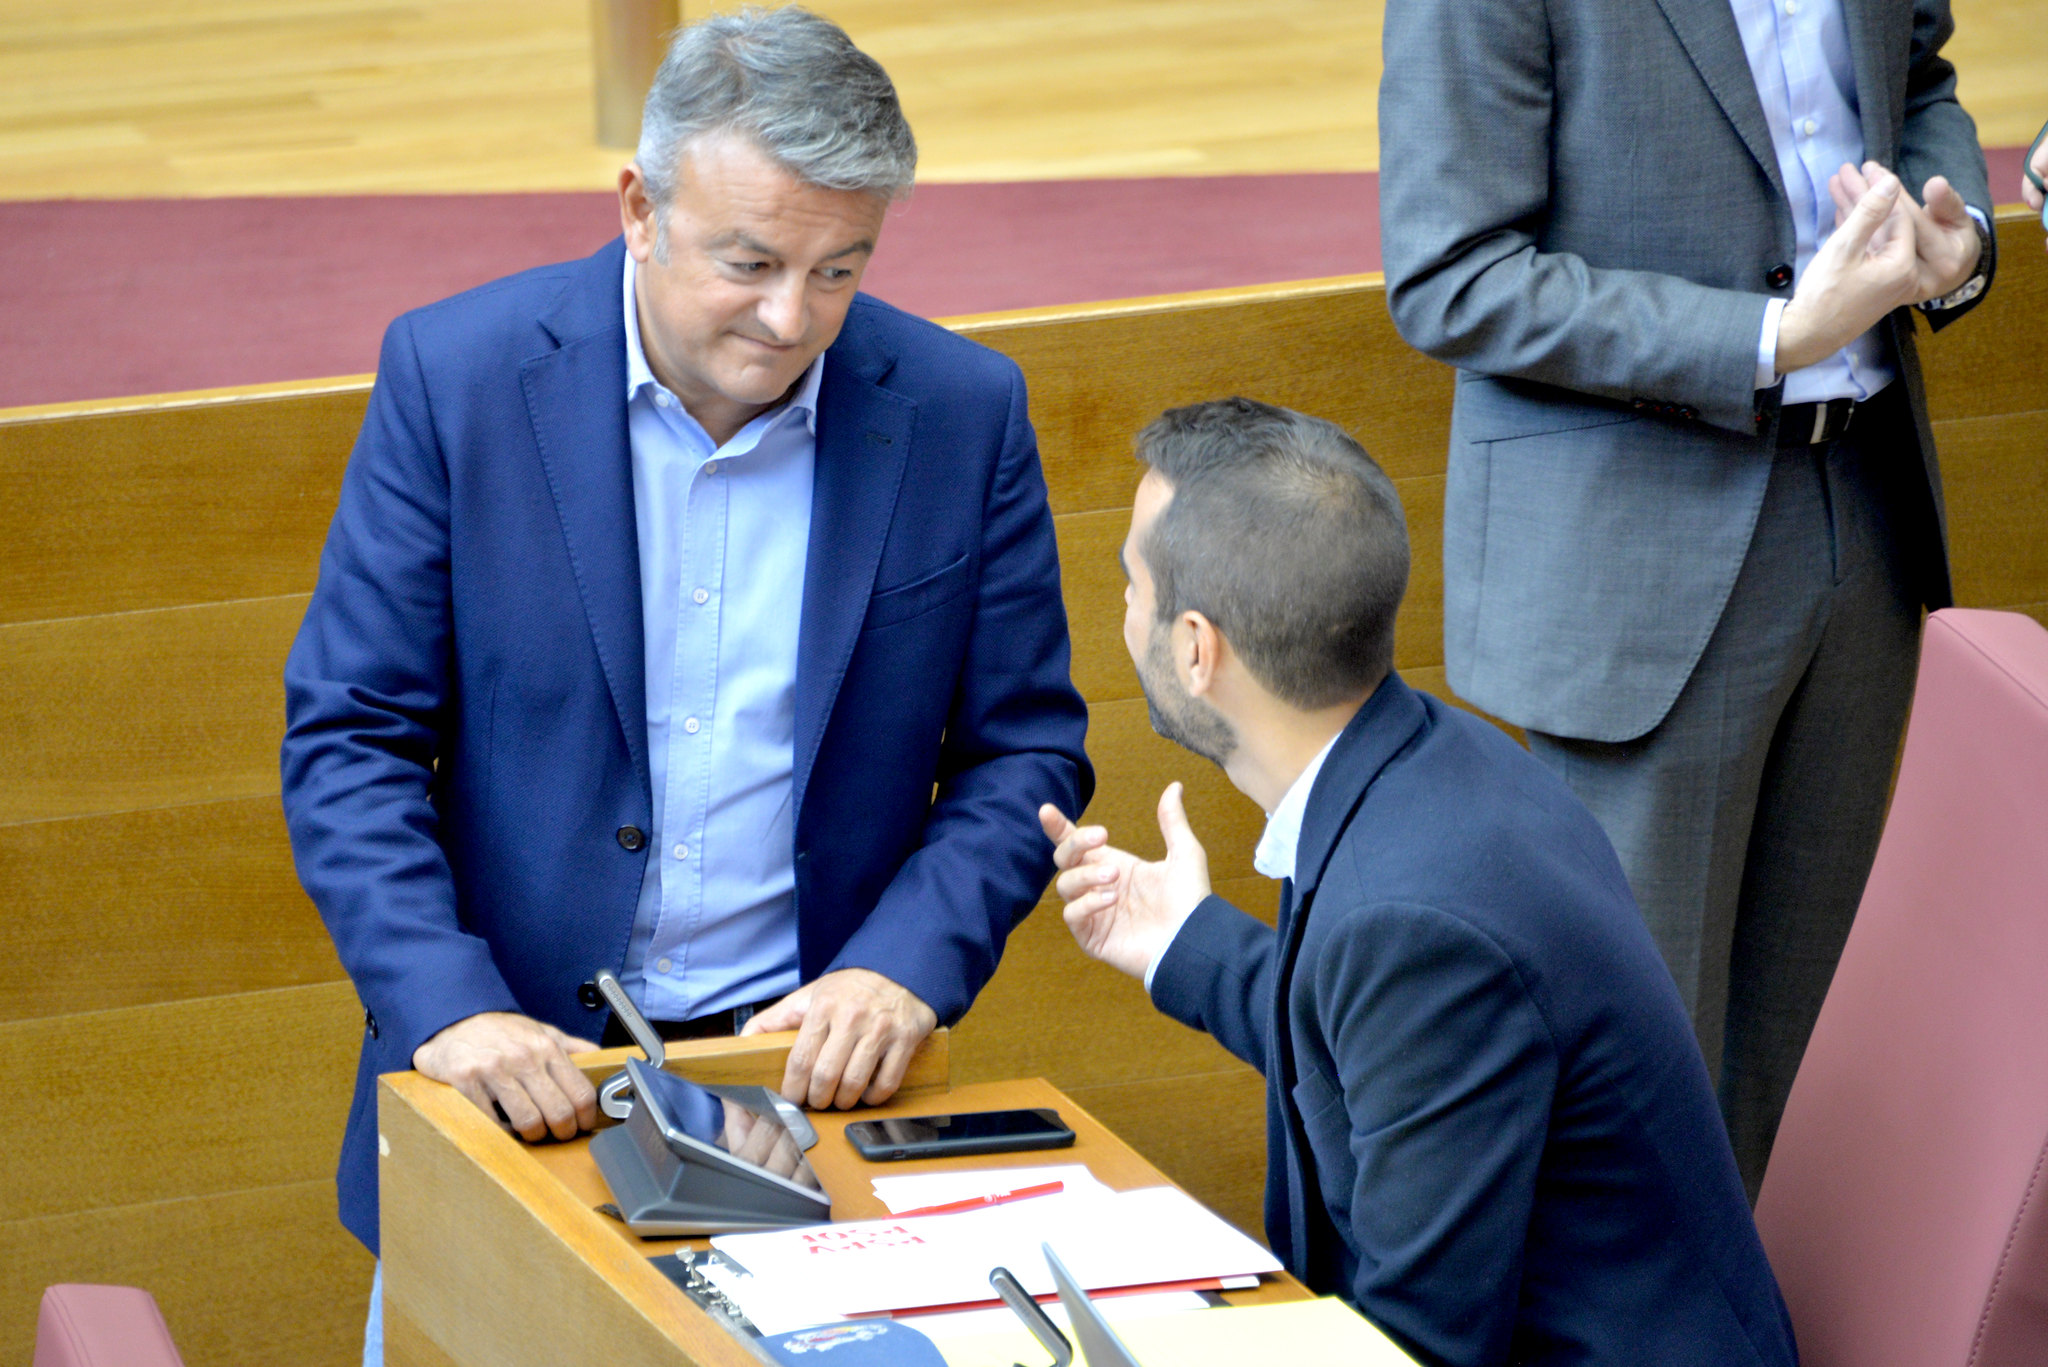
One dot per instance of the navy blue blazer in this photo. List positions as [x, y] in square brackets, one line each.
[1489, 1127]
[467, 737]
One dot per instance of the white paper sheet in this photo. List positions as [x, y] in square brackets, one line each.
[1132, 1238]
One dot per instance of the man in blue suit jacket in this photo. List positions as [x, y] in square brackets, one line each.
[495, 786]
[1488, 1125]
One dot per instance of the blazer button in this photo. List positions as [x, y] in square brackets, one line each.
[1778, 276]
[587, 993]
[631, 838]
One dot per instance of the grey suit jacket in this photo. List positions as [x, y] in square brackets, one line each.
[1579, 207]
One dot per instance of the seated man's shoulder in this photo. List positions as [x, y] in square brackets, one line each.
[1468, 824]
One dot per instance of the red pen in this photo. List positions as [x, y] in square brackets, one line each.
[998, 1198]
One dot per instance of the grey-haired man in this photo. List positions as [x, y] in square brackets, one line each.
[689, 614]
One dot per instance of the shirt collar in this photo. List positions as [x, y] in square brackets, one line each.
[640, 377]
[1275, 855]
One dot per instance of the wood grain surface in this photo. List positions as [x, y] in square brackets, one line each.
[472, 1215]
[143, 709]
[114, 98]
[260, 1275]
[112, 507]
[470, 1222]
[759, 1060]
[148, 1104]
[157, 905]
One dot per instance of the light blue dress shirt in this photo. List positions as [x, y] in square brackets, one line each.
[724, 532]
[1798, 52]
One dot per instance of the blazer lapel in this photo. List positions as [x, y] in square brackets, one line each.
[1880, 44]
[576, 402]
[1375, 735]
[864, 435]
[1706, 29]
[1300, 1158]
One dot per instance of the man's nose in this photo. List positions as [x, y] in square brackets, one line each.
[782, 310]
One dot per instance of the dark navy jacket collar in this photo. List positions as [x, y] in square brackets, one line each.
[1379, 730]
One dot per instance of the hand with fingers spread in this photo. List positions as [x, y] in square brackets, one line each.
[856, 1033]
[1868, 266]
[1122, 909]
[520, 1064]
[1945, 244]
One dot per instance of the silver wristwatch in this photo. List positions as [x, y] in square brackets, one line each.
[1974, 286]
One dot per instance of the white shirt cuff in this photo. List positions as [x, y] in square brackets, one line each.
[1165, 945]
[1767, 345]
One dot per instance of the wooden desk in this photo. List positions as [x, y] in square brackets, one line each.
[494, 1254]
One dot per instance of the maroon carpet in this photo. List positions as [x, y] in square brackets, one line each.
[113, 297]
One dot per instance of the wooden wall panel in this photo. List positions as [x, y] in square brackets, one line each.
[143, 709]
[1992, 360]
[1994, 473]
[1207, 1131]
[1133, 765]
[123, 508]
[1326, 348]
[1092, 582]
[153, 1103]
[246, 1278]
[1053, 1012]
[158, 905]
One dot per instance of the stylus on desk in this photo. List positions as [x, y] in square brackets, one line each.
[994, 1198]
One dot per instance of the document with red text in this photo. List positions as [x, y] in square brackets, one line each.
[1150, 1237]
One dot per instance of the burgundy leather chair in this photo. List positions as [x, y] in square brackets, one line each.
[1905, 1209]
[102, 1326]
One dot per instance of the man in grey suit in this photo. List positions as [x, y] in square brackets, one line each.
[1693, 511]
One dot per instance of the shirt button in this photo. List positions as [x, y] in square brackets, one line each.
[664, 400]
[1811, 126]
[690, 724]
[1791, 6]
[661, 965]
[700, 596]
[682, 851]
[710, 467]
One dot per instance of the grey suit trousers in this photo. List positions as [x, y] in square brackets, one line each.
[1747, 820]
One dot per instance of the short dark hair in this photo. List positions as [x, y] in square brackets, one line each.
[1284, 533]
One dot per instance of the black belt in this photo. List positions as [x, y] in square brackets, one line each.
[1810, 424]
[715, 1025]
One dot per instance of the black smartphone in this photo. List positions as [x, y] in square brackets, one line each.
[939, 1136]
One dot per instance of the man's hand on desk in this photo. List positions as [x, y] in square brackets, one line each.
[856, 1032]
[519, 1063]
[1123, 910]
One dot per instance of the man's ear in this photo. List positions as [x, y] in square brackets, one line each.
[636, 213]
[1198, 651]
